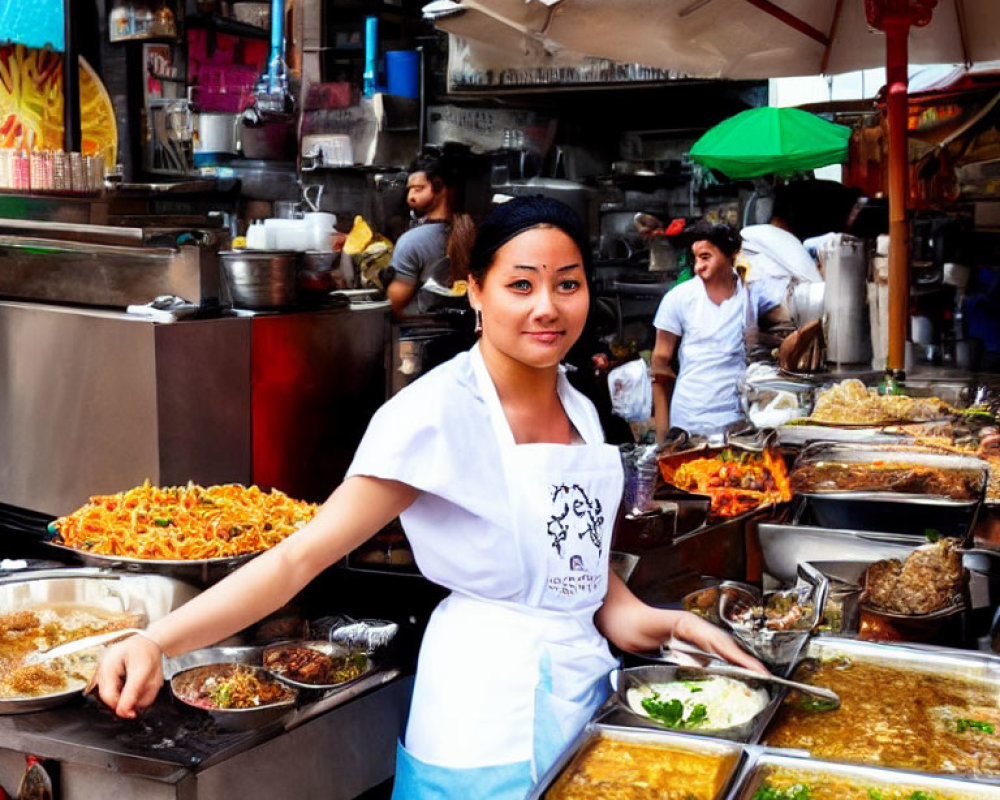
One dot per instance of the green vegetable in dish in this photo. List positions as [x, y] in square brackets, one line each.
[797, 791]
[671, 712]
[962, 725]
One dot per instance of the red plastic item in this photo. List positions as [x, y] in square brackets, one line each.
[675, 227]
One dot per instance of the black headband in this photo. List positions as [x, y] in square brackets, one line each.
[515, 216]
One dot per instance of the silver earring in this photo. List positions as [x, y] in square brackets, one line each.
[479, 321]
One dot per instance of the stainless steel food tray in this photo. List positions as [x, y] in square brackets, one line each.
[757, 763]
[681, 741]
[946, 662]
[949, 661]
[784, 547]
[885, 511]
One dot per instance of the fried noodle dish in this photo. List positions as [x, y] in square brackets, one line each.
[850, 402]
[736, 481]
[40, 628]
[183, 522]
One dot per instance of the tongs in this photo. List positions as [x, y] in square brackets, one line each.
[85, 643]
[829, 699]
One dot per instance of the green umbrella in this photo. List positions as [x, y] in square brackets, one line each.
[768, 140]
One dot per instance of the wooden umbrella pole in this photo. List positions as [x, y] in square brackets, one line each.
[897, 28]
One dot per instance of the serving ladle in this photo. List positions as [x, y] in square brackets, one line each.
[824, 699]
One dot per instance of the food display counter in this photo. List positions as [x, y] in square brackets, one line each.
[913, 721]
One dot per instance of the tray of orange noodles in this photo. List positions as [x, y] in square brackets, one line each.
[736, 479]
[179, 529]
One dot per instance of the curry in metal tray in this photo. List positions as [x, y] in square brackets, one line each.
[782, 783]
[892, 716]
[612, 769]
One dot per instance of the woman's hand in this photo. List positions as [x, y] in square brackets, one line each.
[636, 627]
[706, 636]
[129, 675]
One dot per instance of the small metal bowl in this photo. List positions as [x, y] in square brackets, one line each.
[705, 602]
[187, 684]
[778, 649]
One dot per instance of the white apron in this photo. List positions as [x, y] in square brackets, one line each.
[712, 358]
[503, 686]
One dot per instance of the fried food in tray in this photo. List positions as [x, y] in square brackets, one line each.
[825, 467]
[735, 480]
[40, 628]
[850, 402]
[181, 523]
[315, 664]
[931, 579]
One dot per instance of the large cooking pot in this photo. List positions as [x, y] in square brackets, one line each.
[258, 279]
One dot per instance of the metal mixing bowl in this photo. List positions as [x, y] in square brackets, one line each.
[259, 279]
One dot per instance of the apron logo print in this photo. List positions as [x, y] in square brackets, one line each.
[570, 504]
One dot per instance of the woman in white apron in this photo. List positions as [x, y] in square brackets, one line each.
[496, 466]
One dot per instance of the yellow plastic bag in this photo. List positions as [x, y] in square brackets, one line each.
[359, 238]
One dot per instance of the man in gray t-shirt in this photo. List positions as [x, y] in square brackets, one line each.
[422, 252]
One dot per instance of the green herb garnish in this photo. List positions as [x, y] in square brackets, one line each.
[932, 534]
[797, 791]
[875, 794]
[962, 725]
[919, 795]
[163, 522]
[671, 712]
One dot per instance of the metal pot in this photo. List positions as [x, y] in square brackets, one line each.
[258, 279]
[215, 133]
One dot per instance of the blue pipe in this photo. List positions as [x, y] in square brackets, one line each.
[371, 55]
[277, 45]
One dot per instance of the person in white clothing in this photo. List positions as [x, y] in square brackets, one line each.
[497, 469]
[704, 322]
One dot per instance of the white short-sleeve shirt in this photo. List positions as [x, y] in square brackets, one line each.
[436, 436]
[712, 350]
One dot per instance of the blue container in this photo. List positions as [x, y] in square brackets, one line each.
[402, 68]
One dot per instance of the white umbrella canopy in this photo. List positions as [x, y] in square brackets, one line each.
[748, 39]
[736, 39]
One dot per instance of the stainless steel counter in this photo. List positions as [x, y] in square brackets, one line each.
[334, 748]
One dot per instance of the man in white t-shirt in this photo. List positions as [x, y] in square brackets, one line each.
[704, 321]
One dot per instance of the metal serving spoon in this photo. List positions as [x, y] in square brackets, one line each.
[96, 640]
[830, 700]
